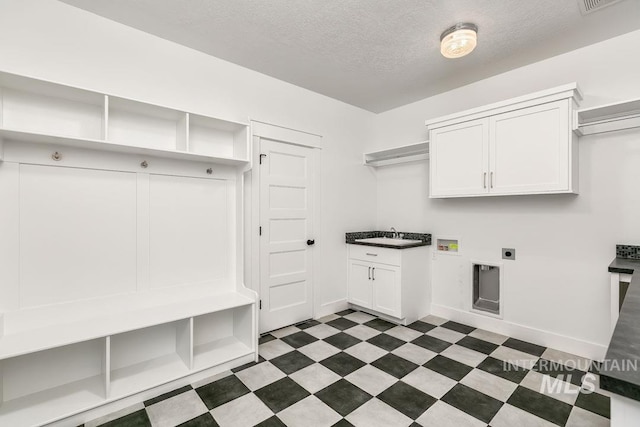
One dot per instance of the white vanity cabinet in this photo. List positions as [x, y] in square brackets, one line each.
[521, 146]
[390, 282]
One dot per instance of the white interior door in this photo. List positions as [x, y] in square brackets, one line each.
[286, 239]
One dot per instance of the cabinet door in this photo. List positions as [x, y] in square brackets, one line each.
[360, 283]
[530, 150]
[386, 289]
[458, 159]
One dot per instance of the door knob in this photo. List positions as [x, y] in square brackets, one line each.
[310, 242]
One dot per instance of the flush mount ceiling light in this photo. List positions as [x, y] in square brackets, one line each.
[459, 40]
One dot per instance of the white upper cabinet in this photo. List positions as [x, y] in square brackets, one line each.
[521, 146]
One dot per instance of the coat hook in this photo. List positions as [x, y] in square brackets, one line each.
[144, 164]
[210, 171]
[56, 156]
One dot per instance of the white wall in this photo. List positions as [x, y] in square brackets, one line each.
[53, 41]
[558, 286]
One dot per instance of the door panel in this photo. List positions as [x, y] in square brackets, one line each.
[386, 290]
[529, 149]
[458, 159]
[286, 177]
[360, 292]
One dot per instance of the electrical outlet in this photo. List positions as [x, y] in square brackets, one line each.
[508, 253]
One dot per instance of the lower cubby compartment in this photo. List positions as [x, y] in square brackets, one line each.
[148, 357]
[222, 336]
[39, 387]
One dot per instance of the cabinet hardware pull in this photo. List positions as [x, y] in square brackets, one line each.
[491, 179]
[370, 254]
[369, 273]
[373, 273]
[484, 180]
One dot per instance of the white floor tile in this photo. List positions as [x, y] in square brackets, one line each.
[582, 418]
[280, 333]
[375, 413]
[115, 415]
[371, 379]
[328, 318]
[260, 375]
[430, 382]
[443, 415]
[491, 337]
[567, 359]
[414, 353]
[274, 349]
[359, 317]
[515, 357]
[552, 387]
[464, 355]
[489, 384]
[321, 331]
[315, 377]
[176, 410]
[362, 332]
[434, 320]
[318, 350]
[403, 333]
[310, 411]
[446, 334]
[366, 352]
[245, 411]
[510, 416]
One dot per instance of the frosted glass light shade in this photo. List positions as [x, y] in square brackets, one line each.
[458, 40]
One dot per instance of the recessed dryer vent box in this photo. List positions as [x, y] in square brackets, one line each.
[486, 288]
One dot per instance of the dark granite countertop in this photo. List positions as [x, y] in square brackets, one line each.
[425, 239]
[620, 371]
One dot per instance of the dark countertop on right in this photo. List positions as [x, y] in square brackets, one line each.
[617, 373]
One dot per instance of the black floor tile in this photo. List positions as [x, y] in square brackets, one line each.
[167, 395]
[524, 346]
[136, 419]
[345, 312]
[248, 365]
[472, 402]
[343, 423]
[342, 363]
[406, 399]
[299, 339]
[421, 326]
[449, 368]
[342, 323]
[380, 325]
[343, 397]
[595, 403]
[204, 420]
[394, 365]
[342, 340]
[503, 369]
[478, 345]
[386, 342]
[292, 362]
[559, 371]
[307, 324]
[538, 404]
[432, 343]
[281, 394]
[271, 422]
[266, 338]
[222, 391]
[458, 327]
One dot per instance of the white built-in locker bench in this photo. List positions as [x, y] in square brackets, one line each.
[121, 249]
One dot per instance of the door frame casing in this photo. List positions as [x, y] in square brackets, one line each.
[262, 130]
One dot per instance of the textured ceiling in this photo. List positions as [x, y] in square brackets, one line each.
[375, 54]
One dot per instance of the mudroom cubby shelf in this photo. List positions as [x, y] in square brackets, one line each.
[109, 357]
[38, 111]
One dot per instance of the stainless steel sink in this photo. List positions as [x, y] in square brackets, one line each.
[388, 241]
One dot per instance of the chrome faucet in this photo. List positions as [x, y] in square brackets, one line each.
[395, 233]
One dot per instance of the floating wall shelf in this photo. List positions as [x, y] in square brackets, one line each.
[610, 117]
[402, 154]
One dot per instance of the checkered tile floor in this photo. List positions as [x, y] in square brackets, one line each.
[352, 368]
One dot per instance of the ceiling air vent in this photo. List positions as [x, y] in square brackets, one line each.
[589, 6]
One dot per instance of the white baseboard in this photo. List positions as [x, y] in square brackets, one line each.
[331, 307]
[536, 336]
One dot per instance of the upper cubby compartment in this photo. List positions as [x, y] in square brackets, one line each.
[42, 112]
[46, 108]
